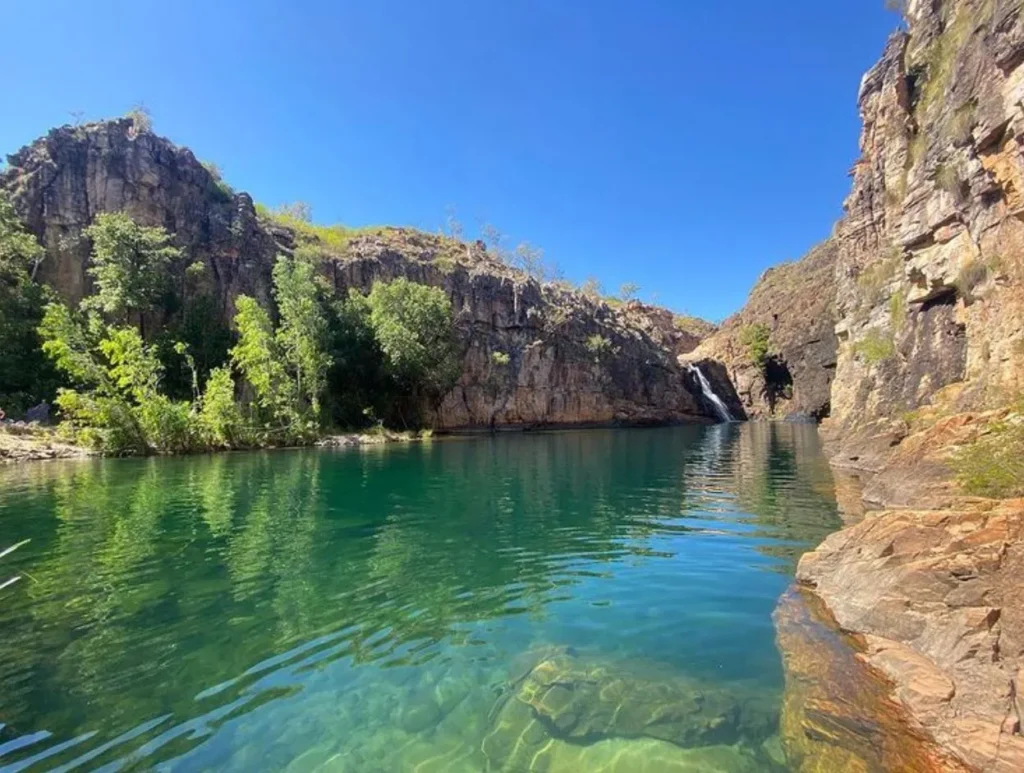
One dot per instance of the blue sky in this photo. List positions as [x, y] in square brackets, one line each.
[679, 145]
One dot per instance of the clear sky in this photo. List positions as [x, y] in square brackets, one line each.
[684, 146]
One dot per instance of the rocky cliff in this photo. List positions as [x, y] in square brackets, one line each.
[930, 263]
[929, 277]
[534, 354]
[794, 304]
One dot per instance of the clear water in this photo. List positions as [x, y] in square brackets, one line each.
[576, 601]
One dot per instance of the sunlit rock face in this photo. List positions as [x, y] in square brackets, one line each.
[930, 261]
[795, 304]
[937, 596]
[837, 713]
[533, 354]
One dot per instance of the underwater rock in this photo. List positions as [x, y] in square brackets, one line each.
[567, 700]
[837, 713]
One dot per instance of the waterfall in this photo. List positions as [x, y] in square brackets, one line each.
[710, 396]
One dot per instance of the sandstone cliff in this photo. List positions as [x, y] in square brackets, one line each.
[534, 354]
[795, 304]
[930, 325]
[930, 263]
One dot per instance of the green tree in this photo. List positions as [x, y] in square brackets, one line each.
[756, 337]
[116, 404]
[26, 375]
[259, 360]
[129, 266]
[220, 419]
[302, 333]
[628, 291]
[414, 327]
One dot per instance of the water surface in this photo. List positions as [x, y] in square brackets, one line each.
[593, 600]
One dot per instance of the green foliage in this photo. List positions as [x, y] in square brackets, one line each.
[500, 359]
[26, 376]
[219, 188]
[628, 291]
[897, 311]
[220, 418]
[875, 347]
[993, 465]
[413, 325]
[392, 350]
[329, 239]
[129, 265]
[302, 333]
[756, 338]
[260, 361]
[142, 119]
[117, 407]
[599, 346]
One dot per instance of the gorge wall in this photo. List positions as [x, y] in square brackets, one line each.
[535, 354]
[794, 304]
[930, 264]
[929, 311]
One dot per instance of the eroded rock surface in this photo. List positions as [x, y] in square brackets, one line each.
[795, 302]
[937, 596]
[837, 713]
[572, 359]
[930, 262]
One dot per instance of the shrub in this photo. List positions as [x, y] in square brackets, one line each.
[500, 358]
[599, 346]
[142, 119]
[875, 347]
[971, 275]
[993, 465]
[220, 419]
[756, 337]
[897, 311]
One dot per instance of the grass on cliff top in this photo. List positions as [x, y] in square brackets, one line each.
[333, 239]
[993, 465]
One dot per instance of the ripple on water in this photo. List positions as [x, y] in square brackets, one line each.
[594, 600]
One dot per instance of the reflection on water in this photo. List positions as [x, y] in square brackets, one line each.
[595, 600]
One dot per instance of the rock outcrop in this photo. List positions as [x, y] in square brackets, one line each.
[929, 277]
[795, 305]
[937, 598]
[931, 248]
[534, 354]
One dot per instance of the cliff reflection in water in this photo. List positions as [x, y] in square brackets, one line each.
[248, 609]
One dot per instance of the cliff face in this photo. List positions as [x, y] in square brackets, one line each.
[930, 308]
[930, 262]
[795, 304]
[571, 359]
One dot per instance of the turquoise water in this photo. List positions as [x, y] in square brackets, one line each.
[592, 600]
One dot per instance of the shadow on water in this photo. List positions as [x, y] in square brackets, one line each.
[382, 609]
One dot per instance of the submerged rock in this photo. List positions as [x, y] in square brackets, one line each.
[939, 599]
[566, 705]
[837, 713]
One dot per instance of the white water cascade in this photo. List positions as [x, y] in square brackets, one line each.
[710, 396]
